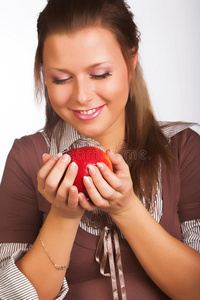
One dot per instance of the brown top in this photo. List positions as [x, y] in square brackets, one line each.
[23, 209]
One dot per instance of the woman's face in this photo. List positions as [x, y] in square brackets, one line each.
[88, 82]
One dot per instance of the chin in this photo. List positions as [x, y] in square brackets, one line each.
[90, 131]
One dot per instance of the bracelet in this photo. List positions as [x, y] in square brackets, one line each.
[49, 256]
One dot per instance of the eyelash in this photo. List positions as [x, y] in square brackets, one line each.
[101, 76]
[60, 81]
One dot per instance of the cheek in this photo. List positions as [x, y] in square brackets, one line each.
[123, 85]
[117, 89]
[58, 95]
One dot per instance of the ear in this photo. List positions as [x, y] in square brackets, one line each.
[134, 57]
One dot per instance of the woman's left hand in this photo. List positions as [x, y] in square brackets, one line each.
[111, 192]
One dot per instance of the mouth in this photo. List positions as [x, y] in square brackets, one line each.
[88, 114]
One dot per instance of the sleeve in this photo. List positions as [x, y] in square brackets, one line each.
[189, 160]
[20, 217]
[191, 234]
[13, 284]
[189, 203]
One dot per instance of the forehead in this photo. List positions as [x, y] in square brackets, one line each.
[88, 45]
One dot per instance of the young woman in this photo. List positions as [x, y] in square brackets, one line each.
[138, 236]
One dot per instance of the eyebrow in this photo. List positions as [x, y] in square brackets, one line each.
[90, 67]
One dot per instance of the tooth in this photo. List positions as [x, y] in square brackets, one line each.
[89, 112]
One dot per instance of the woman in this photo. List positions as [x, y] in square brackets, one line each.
[135, 238]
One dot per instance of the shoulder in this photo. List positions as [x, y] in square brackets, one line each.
[34, 146]
[185, 149]
[187, 134]
[184, 176]
[34, 141]
[171, 129]
[180, 136]
[187, 143]
[19, 196]
[25, 156]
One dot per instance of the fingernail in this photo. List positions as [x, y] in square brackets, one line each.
[73, 189]
[44, 154]
[92, 169]
[72, 167]
[80, 197]
[100, 166]
[57, 156]
[87, 180]
[65, 157]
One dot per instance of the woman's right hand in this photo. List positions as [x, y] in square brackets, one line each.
[55, 183]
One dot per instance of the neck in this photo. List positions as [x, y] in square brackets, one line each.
[113, 140]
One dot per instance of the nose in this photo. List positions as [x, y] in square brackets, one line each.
[83, 93]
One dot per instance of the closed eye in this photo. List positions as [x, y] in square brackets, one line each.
[93, 76]
[61, 81]
[101, 76]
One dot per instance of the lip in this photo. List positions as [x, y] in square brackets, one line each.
[96, 112]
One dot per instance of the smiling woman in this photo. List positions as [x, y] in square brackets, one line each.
[138, 235]
[88, 85]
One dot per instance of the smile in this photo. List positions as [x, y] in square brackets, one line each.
[88, 114]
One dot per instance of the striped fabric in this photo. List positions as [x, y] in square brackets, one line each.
[191, 234]
[13, 284]
[170, 129]
[70, 135]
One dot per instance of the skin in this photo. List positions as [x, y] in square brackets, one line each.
[169, 261]
[91, 54]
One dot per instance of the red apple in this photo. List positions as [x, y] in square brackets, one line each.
[84, 156]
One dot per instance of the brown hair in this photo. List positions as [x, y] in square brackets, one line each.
[143, 134]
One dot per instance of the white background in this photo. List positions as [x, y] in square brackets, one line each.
[169, 55]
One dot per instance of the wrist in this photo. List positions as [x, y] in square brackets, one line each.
[128, 210]
[62, 219]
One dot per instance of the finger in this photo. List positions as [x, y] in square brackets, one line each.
[45, 170]
[46, 157]
[104, 188]
[67, 181]
[85, 203]
[73, 197]
[120, 166]
[94, 193]
[113, 180]
[54, 177]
